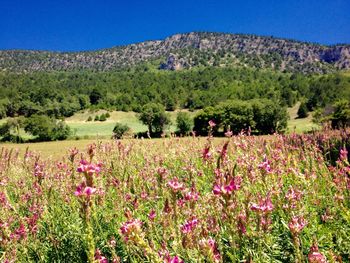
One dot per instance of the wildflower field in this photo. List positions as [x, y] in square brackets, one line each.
[281, 198]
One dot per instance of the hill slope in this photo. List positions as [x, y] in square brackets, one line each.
[189, 50]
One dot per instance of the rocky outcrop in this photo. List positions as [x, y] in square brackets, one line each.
[182, 51]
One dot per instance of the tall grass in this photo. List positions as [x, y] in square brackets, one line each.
[239, 199]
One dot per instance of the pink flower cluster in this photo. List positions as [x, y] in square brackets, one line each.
[315, 256]
[297, 224]
[89, 168]
[265, 205]
[130, 228]
[233, 184]
[189, 225]
[175, 185]
[83, 190]
[210, 248]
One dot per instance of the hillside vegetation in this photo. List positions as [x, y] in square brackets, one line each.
[187, 51]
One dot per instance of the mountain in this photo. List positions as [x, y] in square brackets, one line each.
[183, 51]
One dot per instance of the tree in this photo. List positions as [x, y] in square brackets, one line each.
[184, 123]
[303, 111]
[103, 117]
[119, 130]
[46, 128]
[154, 116]
[341, 116]
[10, 130]
[95, 96]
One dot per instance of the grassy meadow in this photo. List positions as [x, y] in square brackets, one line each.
[282, 198]
[95, 129]
[83, 128]
[299, 125]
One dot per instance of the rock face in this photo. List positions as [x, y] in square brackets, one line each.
[174, 63]
[182, 51]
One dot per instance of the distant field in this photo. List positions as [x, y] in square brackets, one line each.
[50, 149]
[299, 125]
[96, 129]
[82, 127]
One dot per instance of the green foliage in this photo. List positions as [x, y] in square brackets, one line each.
[154, 116]
[10, 130]
[102, 117]
[97, 118]
[341, 115]
[89, 118]
[303, 111]
[46, 128]
[260, 116]
[95, 96]
[184, 123]
[119, 130]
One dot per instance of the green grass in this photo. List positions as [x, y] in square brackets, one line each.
[82, 128]
[299, 125]
[50, 149]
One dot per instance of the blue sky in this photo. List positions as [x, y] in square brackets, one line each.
[91, 24]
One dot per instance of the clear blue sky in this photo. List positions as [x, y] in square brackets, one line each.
[92, 24]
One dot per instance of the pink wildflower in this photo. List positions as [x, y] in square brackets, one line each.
[152, 215]
[88, 168]
[99, 257]
[210, 248]
[206, 154]
[175, 185]
[265, 205]
[265, 166]
[343, 154]
[226, 189]
[315, 256]
[189, 225]
[130, 228]
[83, 190]
[174, 259]
[297, 224]
[191, 195]
[212, 124]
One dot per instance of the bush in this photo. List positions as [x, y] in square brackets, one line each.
[89, 119]
[103, 117]
[108, 115]
[154, 116]
[97, 118]
[120, 130]
[184, 123]
[262, 116]
[46, 128]
[303, 111]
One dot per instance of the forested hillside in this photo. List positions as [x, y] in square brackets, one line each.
[61, 94]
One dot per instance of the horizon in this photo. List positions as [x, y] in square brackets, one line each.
[65, 26]
[180, 33]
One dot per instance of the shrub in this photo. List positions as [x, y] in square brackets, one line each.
[103, 117]
[120, 130]
[97, 118]
[89, 119]
[303, 111]
[46, 128]
[154, 116]
[184, 123]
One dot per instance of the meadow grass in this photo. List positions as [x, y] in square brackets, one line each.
[299, 125]
[81, 127]
[238, 199]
